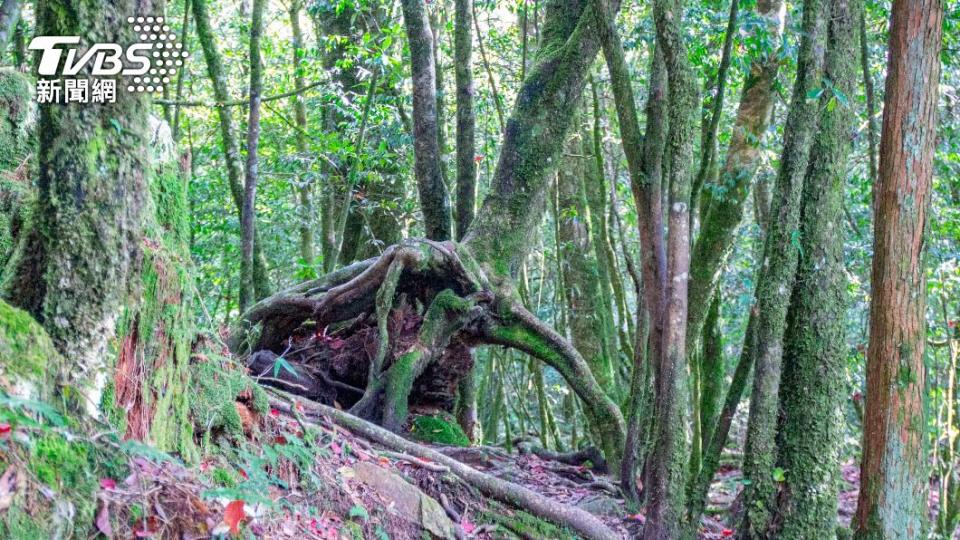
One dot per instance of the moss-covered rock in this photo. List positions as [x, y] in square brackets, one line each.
[27, 356]
[438, 429]
[214, 406]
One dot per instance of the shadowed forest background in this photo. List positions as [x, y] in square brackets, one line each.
[485, 269]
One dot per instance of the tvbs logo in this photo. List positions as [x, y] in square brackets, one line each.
[146, 66]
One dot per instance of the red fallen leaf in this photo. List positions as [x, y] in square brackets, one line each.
[951, 324]
[726, 533]
[233, 515]
[146, 527]
[478, 158]
[298, 406]
[384, 461]
[637, 517]
[336, 448]
[274, 412]
[280, 439]
[5, 430]
[108, 483]
[467, 525]
[243, 473]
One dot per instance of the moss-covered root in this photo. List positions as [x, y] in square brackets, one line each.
[438, 429]
[582, 522]
[518, 328]
[447, 314]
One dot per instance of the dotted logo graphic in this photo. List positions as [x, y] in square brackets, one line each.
[165, 58]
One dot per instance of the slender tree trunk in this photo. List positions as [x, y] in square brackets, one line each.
[869, 96]
[434, 199]
[248, 214]
[228, 136]
[811, 393]
[580, 267]
[304, 189]
[666, 509]
[893, 492]
[781, 252]
[78, 261]
[466, 119]
[722, 213]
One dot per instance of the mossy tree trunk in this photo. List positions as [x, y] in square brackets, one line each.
[581, 278]
[781, 252]
[814, 364]
[434, 198]
[893, 491]
[666, 508]
[80, 256]
[466, 118]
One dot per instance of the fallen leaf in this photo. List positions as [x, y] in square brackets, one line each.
[108, 483]
[726, 533]
[233, 515]
[5, 430]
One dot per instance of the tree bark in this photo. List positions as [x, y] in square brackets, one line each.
[811, 393]
[466, 119]
[248, 212]
[434, 199]
[893, 490]
[77, 262]
[666, 508]
[781, 252]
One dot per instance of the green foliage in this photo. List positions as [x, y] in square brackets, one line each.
[28, 353]
[218, 385]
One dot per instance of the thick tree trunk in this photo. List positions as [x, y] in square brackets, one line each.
[781, 252]
[248, 212]
[722, 204]
[811, 393]
[228, 137]
[466, 119]
[304, 189]
[893, 492]
[79, 258]
[666, 509]
[434, 199]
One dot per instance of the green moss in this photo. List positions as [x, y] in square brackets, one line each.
[213, 406]
[28, 352]
[520, 524]
[15, 118]
[439, 430]
[223, 477]
[18, 524]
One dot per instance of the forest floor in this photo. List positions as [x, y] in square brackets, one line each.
[339, 485]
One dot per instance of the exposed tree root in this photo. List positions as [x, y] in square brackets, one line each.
[450, 307]
[581, 521]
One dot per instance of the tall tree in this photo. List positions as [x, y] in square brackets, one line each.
[814, 363]
[434, 199]
[893, 491]
[248, 216]
[466, 118]
[666, 509]
[77, 262]
[776, 279]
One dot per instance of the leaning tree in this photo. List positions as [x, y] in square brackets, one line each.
[393, 332]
